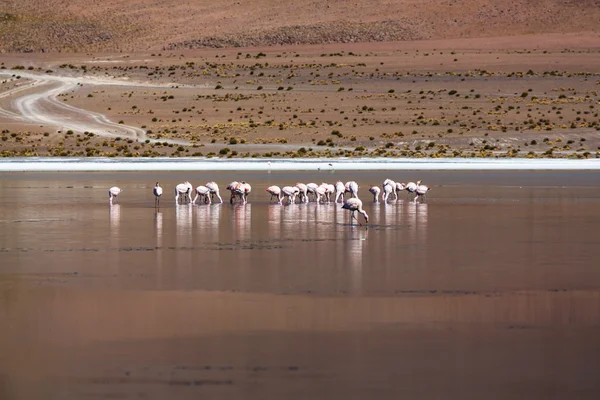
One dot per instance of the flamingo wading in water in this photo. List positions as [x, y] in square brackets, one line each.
[303, 192]
[374, 190]
[214, 191]
[421, 191]
[352, 188]
[204, 193]
[389, 187]
[157, 193]
[184, 189]
[274, 191]
[241, 189]
[113, 192]
[312, 188]
[340, 189]
[411, 187]
[353, 204]
[290, 193]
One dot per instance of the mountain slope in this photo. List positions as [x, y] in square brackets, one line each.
[135, 25]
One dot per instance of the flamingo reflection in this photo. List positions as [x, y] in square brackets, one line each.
[243, 220]
[115, 217]
[356, 249]
[274, 216]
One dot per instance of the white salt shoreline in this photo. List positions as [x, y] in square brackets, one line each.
[31, 164]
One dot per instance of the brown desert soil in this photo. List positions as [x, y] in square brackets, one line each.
[525, 96]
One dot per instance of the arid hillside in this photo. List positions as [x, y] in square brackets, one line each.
[139, 25]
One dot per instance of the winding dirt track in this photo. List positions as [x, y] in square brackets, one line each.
[43, 107]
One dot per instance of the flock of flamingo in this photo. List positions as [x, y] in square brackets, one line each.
[323, 193]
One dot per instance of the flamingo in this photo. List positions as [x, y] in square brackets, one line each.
[157, 193]
[339, 191]
[183, 189]
[374, 190]
[329, 190]
[387, 190]
[214, 190]
[242, 189]
[290, 192]
[231, 187]
[399, 187]
[411, 187]
[204, 192]
[421, 191]
[274, 191]
[113, 192]
[303, 192]
[312, 188]
[320, 192]
[392, 185]
[354, 204]
[352, 188]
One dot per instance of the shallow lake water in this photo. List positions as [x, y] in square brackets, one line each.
[489, 289]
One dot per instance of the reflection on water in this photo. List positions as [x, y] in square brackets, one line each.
[242, 220]
[208, 220]
[416, 216]
[115, 218]
[274, 218]
[392, 213]
[183, 218]
[158, 225]
[454, 299]
[356, 250]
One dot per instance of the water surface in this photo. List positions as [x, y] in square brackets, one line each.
[490, 289]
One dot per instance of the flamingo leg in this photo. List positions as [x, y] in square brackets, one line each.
[354, 216]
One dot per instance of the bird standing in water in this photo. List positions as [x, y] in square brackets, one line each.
[353, 204]
[113, 192]
[274, 191]
[157, 193]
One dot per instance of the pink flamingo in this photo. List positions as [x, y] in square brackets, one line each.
[303, 192]
[275, 191]
[231, 187]
[353, 204]
[242, 190]
[399, 187]
[290, 192]
[183, 189]
[391, 190]
[204, 192]
[374, 190]
[214, 190]
[352, 188]
[421, 191]
[411, 187]
[339, 191]
[329, 190]
[320, 193]
[312, 188]
[113, 192]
